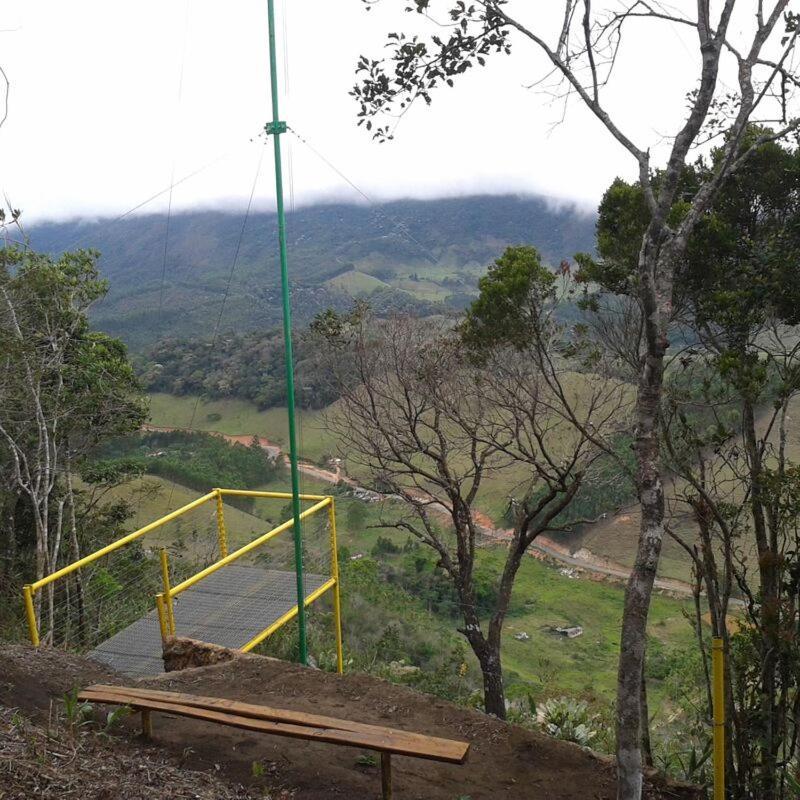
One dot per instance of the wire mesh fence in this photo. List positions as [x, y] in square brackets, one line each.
[94, 602]
[90, 599]
[229, 592]
[259, 587]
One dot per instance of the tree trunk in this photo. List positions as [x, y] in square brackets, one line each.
[494, 697]
[11, 532]
[656, 302]
[487, 651]
[647, 750]
[769, 572]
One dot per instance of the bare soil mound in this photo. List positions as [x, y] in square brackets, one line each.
[54, 761]
[506, 761]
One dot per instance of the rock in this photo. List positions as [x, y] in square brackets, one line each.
[181, 653]
[570, 631]
[398, 669]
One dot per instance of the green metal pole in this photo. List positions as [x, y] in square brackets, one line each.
[276, 128]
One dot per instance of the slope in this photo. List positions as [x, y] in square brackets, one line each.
[504, 758]
[407, 243]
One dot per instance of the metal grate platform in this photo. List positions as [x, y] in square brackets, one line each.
[228, 608]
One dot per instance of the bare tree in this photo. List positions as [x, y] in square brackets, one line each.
[741, 489]
[33, 408]
[62, 388]
[428, 425]
[583, 54]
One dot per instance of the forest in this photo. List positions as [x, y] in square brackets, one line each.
[535, 377]
[248, 366]
[557, 452]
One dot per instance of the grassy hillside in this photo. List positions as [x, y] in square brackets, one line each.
[431, 249]
[616, 536]
[240, 417]
[355, 283]
[544, 665]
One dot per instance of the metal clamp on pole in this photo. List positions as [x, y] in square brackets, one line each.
[274, 128]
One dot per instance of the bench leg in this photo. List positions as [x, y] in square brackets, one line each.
[386, 776]
[147, 724]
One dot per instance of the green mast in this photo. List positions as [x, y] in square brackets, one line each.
[276, 128]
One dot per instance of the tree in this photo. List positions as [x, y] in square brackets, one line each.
[429, 420]
[64, 387]
[725, 427]
[582, 51]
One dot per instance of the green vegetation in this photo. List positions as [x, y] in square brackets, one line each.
[66, 389]
[444, 244]
[239, 417]
[197, 460]
[244, 366]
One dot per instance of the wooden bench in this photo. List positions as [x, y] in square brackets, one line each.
[283, 722]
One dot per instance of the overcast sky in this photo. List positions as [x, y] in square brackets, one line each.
[110, 100]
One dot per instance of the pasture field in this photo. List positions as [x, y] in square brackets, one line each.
[355, 282]
[613, 538]
[236, 417]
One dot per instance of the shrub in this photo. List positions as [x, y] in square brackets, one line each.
[568, 719]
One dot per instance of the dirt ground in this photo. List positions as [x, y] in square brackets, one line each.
[506, 761]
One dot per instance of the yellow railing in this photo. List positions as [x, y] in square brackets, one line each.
[30, 590]
[164, 600]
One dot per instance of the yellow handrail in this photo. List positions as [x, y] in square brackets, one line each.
[718, 671]
[30, 613]
[54, 576]
[204, 573]
[289, 615]
[167, 594]
[273, 495]
[337, 601]
[164, 599]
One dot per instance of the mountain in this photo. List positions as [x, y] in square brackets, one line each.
[169, 276]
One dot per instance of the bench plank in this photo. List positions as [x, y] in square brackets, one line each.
[457, 750]
[387, 741]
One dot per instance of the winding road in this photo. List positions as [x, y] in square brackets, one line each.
[583, 561]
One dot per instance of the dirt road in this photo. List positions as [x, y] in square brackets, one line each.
[583, 560]
[273, 449]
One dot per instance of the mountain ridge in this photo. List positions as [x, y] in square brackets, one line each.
[169, 275]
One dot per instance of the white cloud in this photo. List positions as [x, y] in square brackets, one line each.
[96, 123]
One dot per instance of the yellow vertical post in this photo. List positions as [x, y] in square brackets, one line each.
[222, 533]
[337, 604]
[30, 613]
[162, 617]
[167, 592]
[718, 672]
